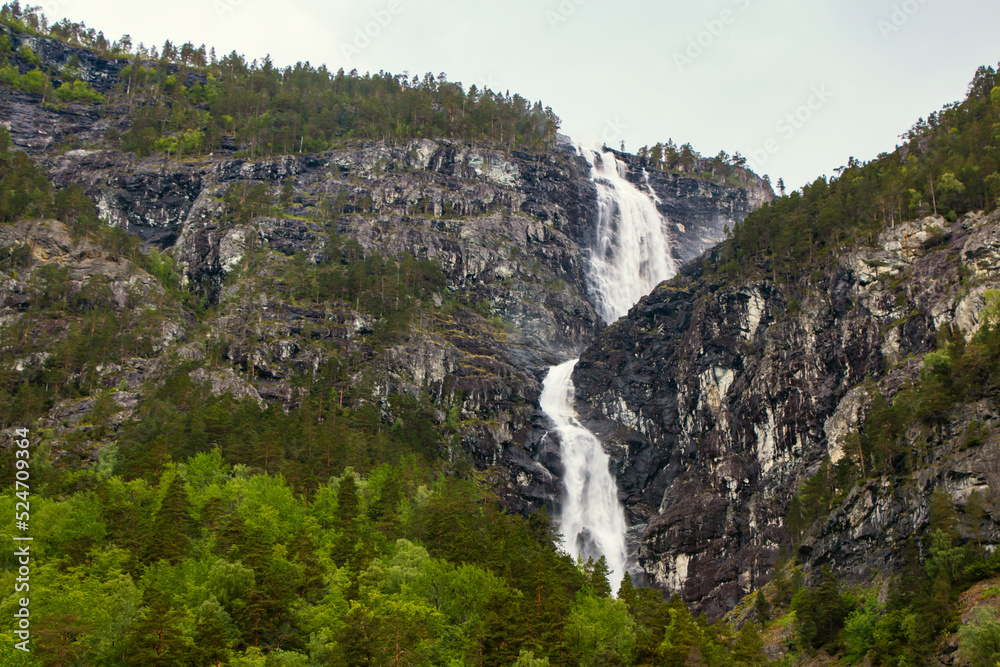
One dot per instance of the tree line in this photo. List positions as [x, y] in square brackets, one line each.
[187, 101]
[949, 165]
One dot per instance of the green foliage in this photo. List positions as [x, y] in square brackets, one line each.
[35, 82]
[15, 257]
[392, 289]
[78, 91]
[24, 189]
[28, 56]
[946, 164]
[820, 612]
[240, 569]
[762, 608]
[749, 648]
[527, 659]
[861, 629]
[25, 192]
[812, 501]
[956, 372]
[93, 330]
[39, 80]
[267, 110]
[723, 168]
[601, 631]
[979, 639]
[245, 201]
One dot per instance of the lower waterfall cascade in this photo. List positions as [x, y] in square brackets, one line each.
[631, 256]
[592, 521]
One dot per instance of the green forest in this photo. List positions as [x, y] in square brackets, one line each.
[948, 165]
[185, 101]
[215, 531]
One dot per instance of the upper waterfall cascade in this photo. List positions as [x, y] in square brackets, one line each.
[632, 251]
[631, 256]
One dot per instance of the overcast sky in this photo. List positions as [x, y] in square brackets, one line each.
[797, 87]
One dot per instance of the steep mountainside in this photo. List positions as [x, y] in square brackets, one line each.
[720, 398]
[820, 389]
[259, 243]
[279, 337]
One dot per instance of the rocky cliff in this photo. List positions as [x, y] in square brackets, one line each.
[510, 231]
[719, 399]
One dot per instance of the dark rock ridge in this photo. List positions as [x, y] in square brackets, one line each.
[717, 400]
[509, 229]
[505, 229]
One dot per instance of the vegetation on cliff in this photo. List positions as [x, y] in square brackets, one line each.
[184, 527]
[349, 529]
[948, 165]
[186, 101]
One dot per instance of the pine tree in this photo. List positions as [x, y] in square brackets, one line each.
[748, 651]
[626, 593]
[170, 532]
[156, 639]
[599, 578]
[761, 608]
[302, 550]
[347, 501]
[57, 642]
[211, 635]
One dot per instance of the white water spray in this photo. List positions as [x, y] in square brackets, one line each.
[592, 521]
[631, 257]
[632, 253]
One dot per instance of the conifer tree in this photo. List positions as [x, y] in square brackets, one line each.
[211, 635]
[156, 639]
[170, 531]
[599, 578]
[748, 651]
[626, 592]
[761, 608]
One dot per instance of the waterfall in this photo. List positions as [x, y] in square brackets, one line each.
[592, 521]
[632, 250]
[631, 256]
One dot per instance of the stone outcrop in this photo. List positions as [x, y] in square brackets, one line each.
[717, 400]
[696, 207]
[510, 231]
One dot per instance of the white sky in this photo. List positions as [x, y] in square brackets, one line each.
[869, 68]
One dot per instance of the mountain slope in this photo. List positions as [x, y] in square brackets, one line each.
[803, 392]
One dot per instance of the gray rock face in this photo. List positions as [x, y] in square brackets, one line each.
[697, 210]
[510, 230]
[100, 73]
[718, 400]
